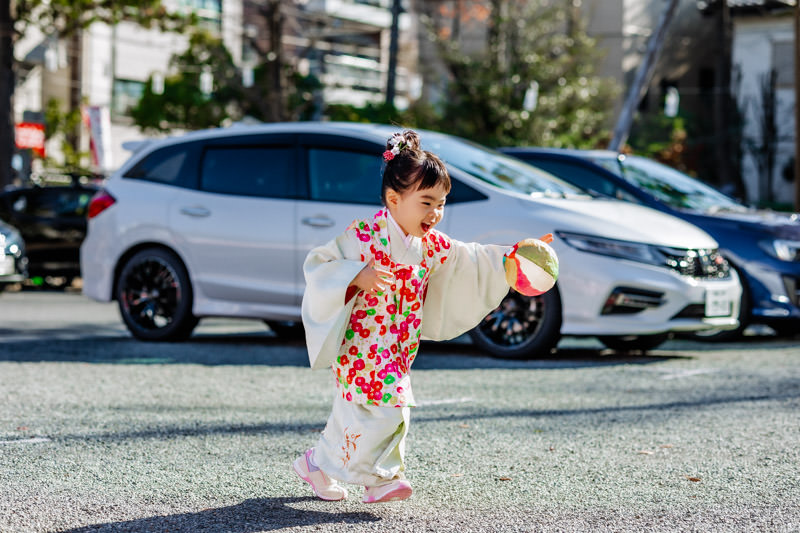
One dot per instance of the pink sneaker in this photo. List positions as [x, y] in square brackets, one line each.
[324, 487]
[399, 489]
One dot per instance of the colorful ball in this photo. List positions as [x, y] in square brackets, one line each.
[531, 267]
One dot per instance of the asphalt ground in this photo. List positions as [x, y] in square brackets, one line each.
[100, 432]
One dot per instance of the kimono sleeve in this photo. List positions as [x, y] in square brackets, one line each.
[463, 290]
[328, 271]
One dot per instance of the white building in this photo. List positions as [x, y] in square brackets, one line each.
[353, 40]
[344, 42]
[114, 65]
[763, 42]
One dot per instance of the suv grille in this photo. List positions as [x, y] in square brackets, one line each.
[702, 263]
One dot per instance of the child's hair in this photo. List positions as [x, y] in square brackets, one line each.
[408, 167]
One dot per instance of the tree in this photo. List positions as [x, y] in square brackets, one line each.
[64, 18]
[182, 103]
[278, 92]
[532, 83]
[61, 124]
[6, 93]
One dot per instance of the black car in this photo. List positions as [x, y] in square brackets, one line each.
[52, 221]
[763, 246]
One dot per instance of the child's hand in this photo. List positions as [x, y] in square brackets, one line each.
[372, 279]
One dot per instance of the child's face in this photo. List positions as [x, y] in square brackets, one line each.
[417, 211]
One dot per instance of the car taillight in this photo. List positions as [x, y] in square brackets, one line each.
[99, 203]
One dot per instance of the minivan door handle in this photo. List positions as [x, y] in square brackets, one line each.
[318, 222]
[195, 211]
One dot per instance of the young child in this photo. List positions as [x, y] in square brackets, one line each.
[371, 294]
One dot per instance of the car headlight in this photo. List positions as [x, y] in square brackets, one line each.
[633, 251]
[699, 263]
[11, 244]
[782, 249]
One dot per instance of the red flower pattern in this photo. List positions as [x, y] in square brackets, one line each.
[384, 331]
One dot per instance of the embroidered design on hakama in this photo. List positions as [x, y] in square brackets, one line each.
[349, 442]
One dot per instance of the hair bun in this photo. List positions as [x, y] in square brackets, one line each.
[409, 138]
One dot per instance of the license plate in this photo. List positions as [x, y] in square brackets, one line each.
[6, 265]
[718, 303]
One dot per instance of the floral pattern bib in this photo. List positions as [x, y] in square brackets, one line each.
[382, 337]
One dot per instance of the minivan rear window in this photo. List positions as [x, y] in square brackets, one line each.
[167, 165]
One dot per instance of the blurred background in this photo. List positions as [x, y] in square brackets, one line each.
[80, 78]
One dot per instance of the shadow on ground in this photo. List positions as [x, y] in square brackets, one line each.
[262, 514]
[785, 390]
[108, 347]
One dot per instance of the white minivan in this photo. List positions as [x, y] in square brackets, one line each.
[218, 223]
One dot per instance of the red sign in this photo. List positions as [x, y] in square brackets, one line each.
[30, 135]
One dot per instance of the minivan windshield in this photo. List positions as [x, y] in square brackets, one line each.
[671, 186]
[497, 169]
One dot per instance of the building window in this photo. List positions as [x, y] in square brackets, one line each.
[208, 11]
[127, 94]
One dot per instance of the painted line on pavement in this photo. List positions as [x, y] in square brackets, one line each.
[34, 440]
[689, 373]
[445, 401]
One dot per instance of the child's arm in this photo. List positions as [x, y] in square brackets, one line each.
[329, 271]
[463, 290]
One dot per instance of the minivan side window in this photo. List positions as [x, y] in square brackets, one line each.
[166, 165]
[355, 177]
[461, 192]
[344, 176]
[263, 171]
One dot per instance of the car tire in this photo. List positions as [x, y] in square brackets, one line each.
[789, 329]
[287, 329]
[521, 327]
[155, 296]
[633, 343]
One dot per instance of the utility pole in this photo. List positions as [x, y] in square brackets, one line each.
[643, 75]
[722, 100]
[797, 107]
[6, 93]
[391, 77]
[76, 84]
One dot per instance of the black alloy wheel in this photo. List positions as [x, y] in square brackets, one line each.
[155, 296]
[521, 327]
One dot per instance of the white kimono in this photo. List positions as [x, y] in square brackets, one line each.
[441, 289]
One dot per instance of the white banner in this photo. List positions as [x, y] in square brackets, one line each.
[99, 120]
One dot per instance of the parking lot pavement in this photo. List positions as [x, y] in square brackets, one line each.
[99, 432]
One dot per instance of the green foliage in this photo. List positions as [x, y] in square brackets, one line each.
[262, 102]
[64, 17]
[662, 138]
[539, 44]
[182, 103]
[418, 115]
[61, 125]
